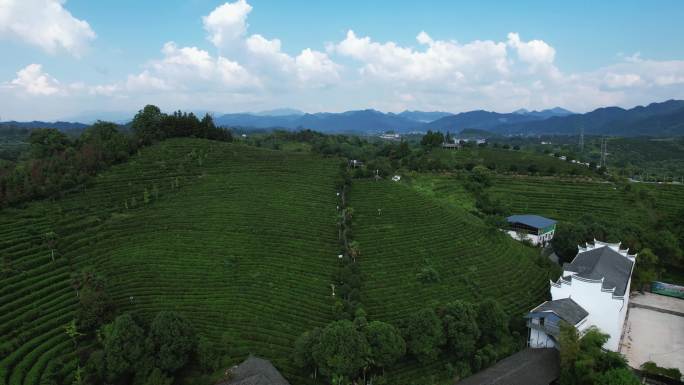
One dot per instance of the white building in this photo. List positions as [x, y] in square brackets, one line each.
[534, 228]
[592, 291]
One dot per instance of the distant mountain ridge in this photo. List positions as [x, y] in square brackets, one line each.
[556, 111]
[423, 116]
[62, 126]
[360, 121]
[656, 119]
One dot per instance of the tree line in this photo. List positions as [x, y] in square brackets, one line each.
[55, 162]
[471, 337]
[583, 361]
[125, 348]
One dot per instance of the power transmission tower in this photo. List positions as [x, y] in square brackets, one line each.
[581, 139]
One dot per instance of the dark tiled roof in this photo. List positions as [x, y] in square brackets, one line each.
[567, 309]
[527, 367]
[603, 262]
[535, 221]
[255, 371]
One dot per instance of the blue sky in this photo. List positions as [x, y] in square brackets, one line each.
[115, 56]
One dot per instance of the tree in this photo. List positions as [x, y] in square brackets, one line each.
[565, 241]
[172, 340]
[123, 346]
[72, 331]
[462, 331]
[158, 377]
[207, 355]
[95, 305]
[47, 142]
[147, 124]
[424, 335]
[584, 361]
[569, 350]
[342, 350]
[646, 269]
[432, 139]
[481, 176]
[621, 376]
[492, 321]
[386, 344]
[304, 348]
[105, 139]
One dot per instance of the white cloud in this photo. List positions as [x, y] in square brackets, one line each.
[190, 69]
[535, 52]
[440, 62]
[251, 71]
[316, 68]
[145, 81]
[613, 80]
[308, 69]
[227, 23]
[33, 81]
[46, 24]
[104, 90]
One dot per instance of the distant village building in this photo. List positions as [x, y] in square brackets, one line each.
[457, 143]
[451, 146]
[390, 136]
[534, 228]
[470, 140]
[592, 291]
[253, 371]
[355, 163]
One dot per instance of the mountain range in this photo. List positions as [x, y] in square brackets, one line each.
[655, 119]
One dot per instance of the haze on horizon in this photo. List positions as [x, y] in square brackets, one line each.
[64, 59]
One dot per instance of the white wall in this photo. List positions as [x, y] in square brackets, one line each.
[533, 238]
[605, 312]
[539, 339]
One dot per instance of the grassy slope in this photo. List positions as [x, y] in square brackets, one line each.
[244, 247]
[413, 231]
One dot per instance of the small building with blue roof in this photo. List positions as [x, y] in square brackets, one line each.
[534, 228]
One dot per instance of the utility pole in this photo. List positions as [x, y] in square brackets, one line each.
[581, 138]
[604, 152]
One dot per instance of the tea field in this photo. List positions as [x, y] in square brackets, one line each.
[242, 241]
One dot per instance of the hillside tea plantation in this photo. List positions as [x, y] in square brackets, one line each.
[240, 240]
[416, 252]
[567, 200]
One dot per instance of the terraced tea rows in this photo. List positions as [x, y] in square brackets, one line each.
[401, 232]
[240, 240]
[567, 200]
[511, 160]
